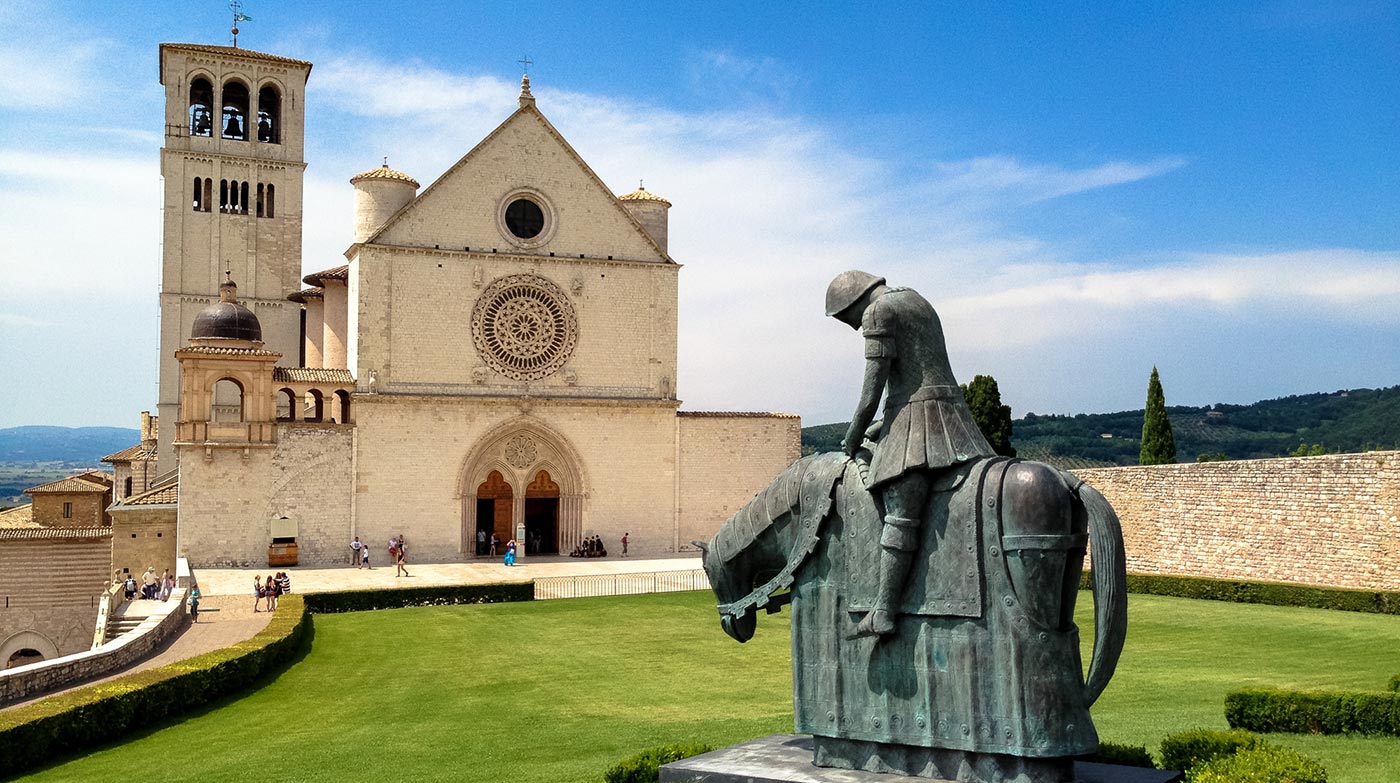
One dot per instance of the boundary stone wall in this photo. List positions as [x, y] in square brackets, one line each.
[1332, 520]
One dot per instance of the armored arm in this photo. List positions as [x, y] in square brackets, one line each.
[877, 371]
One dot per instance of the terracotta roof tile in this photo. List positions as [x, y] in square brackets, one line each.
[318, 278]
[235, 51]
[22, 533]
[214, 350]
[18, 517]
[137, 453]
[81, 483]
[642, 194]
[307, 293]
[312, 375]
[165, 495]
[384, 172]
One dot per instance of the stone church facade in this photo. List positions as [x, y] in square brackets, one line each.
[497, 355]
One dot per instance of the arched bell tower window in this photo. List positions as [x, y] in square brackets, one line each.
[269, 115]
[201, 108]
[235, 111]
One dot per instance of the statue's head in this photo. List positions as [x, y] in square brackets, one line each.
[846, 298]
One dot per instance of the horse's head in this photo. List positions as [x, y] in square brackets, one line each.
[729, 586]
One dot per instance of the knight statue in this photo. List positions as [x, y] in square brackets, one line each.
[932, 583]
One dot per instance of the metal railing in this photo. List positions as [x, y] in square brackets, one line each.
[593, 585]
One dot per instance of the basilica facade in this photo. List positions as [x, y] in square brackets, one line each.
[496, 354]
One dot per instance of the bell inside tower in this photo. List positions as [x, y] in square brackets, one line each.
[201, 109]
[235, 111]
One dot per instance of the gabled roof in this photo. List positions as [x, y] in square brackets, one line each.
[137, 453]
[312, 375]
[21, 533]
[167, 494]
[528, 109]
[85, 482]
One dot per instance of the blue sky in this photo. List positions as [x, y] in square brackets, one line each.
[1082, 190]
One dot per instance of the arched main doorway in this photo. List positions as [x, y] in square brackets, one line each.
[542, 515]
[495, 500]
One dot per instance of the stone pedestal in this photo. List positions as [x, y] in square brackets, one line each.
[787, 758]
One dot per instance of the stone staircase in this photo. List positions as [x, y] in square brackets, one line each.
[116, 626]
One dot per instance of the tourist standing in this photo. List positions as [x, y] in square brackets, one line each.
[624, 545]
[167, 585]
[284, 582]
[272, 593]
[401, 562]
[257, 593]
[510, 553]
[148, 583]
[495, 544]
[194, 604]
[393, 549]
[480, 543]
[364, 557]
[355, 547]
[130, 587]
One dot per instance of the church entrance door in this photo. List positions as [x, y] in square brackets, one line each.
[494, 500]
[542, 515]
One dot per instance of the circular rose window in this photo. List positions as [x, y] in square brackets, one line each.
[524, 327]
[524, 218]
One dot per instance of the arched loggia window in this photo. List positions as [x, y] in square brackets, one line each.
[235, 117]
[201, 108]
[269, 115]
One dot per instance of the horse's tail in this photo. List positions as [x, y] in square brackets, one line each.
[1110, 574]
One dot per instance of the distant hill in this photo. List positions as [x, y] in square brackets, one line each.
[84, 445]
[1350, 420]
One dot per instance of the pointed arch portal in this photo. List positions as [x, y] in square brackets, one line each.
[522, 481]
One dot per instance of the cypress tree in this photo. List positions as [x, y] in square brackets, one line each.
[1158, 445]
[993, 418]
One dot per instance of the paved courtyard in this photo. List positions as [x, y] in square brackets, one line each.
[239, 581]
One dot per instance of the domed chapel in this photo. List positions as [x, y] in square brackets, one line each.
[494, 355]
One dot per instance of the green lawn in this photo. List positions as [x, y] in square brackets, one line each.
[555, 691]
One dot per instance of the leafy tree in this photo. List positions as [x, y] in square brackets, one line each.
[1304, 450]
[993, 418]
[1158, 445]
[1213, 456]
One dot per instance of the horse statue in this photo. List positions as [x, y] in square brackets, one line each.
[982, 679]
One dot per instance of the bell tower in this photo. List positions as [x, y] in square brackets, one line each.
[233, 167]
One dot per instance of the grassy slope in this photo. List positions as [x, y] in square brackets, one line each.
[555, 691]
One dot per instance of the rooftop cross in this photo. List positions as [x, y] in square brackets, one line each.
[525, 63]
[236, 7]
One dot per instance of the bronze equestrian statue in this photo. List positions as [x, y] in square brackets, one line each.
[932, 583]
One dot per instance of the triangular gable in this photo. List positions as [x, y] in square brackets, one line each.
[459, 210]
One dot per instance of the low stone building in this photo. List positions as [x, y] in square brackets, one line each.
[73, 501]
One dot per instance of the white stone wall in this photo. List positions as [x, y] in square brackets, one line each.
[727, 459]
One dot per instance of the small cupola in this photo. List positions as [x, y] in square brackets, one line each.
[227, 320]
[379, 194]
[650, 210]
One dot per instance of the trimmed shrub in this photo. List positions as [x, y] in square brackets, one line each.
[442, 595]
[1314, 712]
[1123, 755]
[1194, 747]
[1394, 685]
[1262, 763]
[1270, 593]
[645, 766]
[55, 727]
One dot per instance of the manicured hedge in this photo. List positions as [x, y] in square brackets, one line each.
[645, 767]
[87, 717]
[1262, 763]
[366, 600]
[1271, 593]
[1194, 747]
[1123, 755]
[1314, 712]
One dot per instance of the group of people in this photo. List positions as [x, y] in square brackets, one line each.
[486, 545]
[152, 587]
[593, 547]
[398, 554]
[274, 588]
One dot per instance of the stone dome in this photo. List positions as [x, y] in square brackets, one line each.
[227, 319]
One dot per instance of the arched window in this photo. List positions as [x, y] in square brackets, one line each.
[228, 401]
[126, 486]
[269, 115]
[201, 108]
[198, 202]
[223, 195]
[260, 199]
[271, 201]
[342, 407]
[286, 405]
[243, 199]
[208, 194]
[315, 406]
[235, 111]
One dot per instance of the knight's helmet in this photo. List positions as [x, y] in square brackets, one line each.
[847, 289]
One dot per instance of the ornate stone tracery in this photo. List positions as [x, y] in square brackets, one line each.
[521, 452]
[524, 327]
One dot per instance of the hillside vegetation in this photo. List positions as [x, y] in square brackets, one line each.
[1351, 420]
[35, 455]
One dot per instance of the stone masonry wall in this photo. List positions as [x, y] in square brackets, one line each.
[89, 509]
[143, 537]
[1332, 520]
[726, 459]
